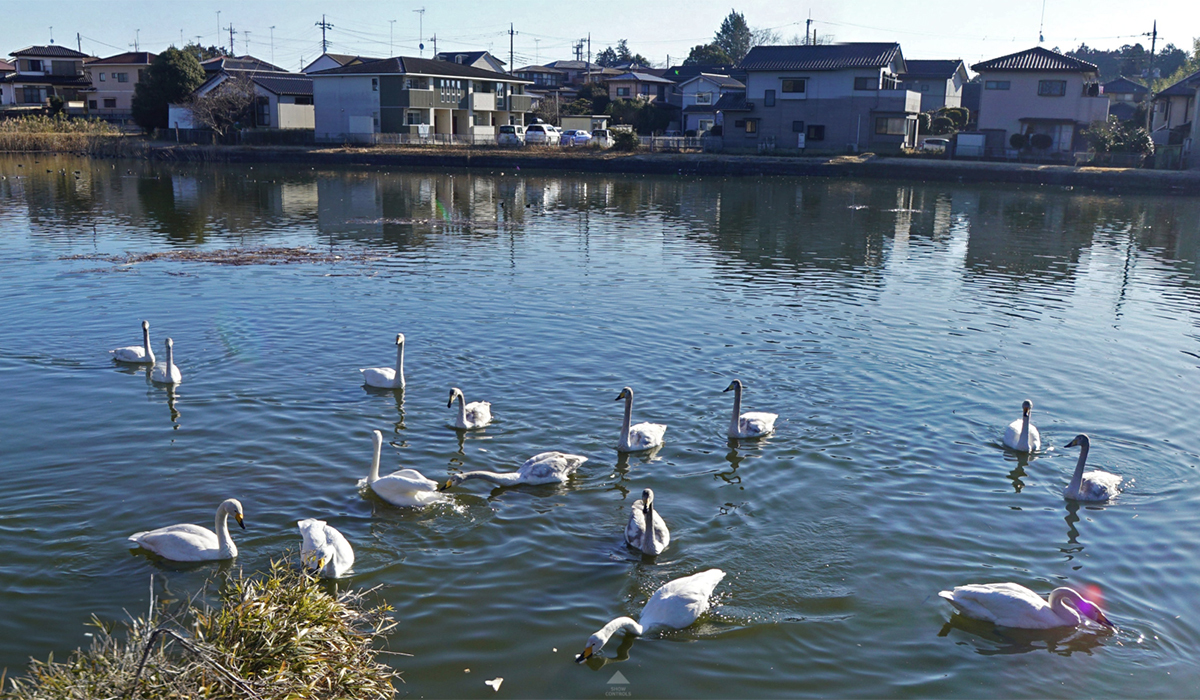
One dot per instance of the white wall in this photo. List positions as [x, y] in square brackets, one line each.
[1003, 109]
[294, 116]
[821, 84]
[338, 98]
[179, 116]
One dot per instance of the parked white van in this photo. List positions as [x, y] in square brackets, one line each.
[511, 135]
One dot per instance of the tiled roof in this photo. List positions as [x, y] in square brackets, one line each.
[821, 57]
[932, 69]
[129, 58]
[642, 78]
[6, 67]
[1181, 88]
[53, 51]
[468, 56]
[67, 80]
[294, 84]
[539, 69]
[417, 66]
[732, 102]
[1036, 59]
[242, 63]
[721, 80]
[1124, 85]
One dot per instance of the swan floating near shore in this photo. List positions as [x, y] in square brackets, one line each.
[187, 542]
[137, 355]
[1013, 605]
[386, 377]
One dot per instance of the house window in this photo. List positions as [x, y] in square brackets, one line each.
[91, 104]
[995, 84]
[752, 127]
[31, 95]
[110, 103]
[740, 124]
[413, 117]
[645, 90]
[262, 111]
[1052, 88]
[139, 75]
[622, 92]
[768, 98]
[102, 76]
[122, 77]
[303, 100]
[816, 132]
[794, 85]
[798, 127]
[703, 98]
[871, 83]
[35, 65]
[374, 84]
[890, 126]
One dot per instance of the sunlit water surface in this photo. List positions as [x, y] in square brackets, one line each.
[894, 327]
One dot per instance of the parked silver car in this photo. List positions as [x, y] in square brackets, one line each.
[542, 134]
[511, 135]
[602, 138]
[576, 137]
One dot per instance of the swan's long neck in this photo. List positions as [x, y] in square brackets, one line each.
[617, 625]
[648, 535]
[373, 475]
[221, 527]
[1023, 438]
[1058, 603]
[170, 362]
[1077, 477]
[506, 479]
[462, 408]
[734, 426]
[628, 418]
[146, 343]
[400, 363]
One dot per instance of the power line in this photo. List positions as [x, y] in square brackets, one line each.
[324, 25]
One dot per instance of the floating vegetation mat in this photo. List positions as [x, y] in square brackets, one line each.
[231, 256]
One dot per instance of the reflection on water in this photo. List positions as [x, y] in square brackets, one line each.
[990, 640]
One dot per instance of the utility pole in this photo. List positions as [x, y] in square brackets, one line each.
[78, 42]
[391, 37]
[589, 62]
[511, 34]
[52, 34]
[181, 37]
[272, 43]
[808, 29]
[434, 40]
[324, 25]
[232, 31]
[537, 45]
[218, 27]
[246, 33]
[421, 31]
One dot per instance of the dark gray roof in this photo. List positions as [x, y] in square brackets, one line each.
[129, 58]
[1122, 110]
[66, 80]
[1036, 59]
[538, 69]
[1181, 88]
[293, 84]
[721, 80]
[642, 78]
[932, 69]
[732, 102]
[53, 50]
[417, 66]
[821, 57]
[240, 63]
[1124, 85]
[468, 56]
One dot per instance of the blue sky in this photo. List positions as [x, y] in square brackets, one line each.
[547, 30]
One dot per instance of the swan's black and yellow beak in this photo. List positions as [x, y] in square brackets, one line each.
[321, 564]
[620, 396]
[1104, 620]
[450, 402]
[446, 485]
[584, 656]
[238, 517]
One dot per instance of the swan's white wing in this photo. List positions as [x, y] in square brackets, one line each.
[643, 436]
[549, 467]
[678, 603]
[662, 536]
[407, 487]
[1035, 439]
[185, 542]
[382, 377]
[479, 414]
[1013, 433]
[320, 541]
[752, 424]
[135, 354]
[635, 529]
[1005, 604]
[161, 374]
[1099, 486]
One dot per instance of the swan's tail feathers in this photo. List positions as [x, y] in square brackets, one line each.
[137, 536]
[948, 595]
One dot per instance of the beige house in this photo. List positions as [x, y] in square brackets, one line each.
[1039, 91]
[639, 86]
[43, 72]
[113, 82]
[940, 82]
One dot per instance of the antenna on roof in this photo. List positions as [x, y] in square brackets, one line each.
[1042, 24]
[52, 34]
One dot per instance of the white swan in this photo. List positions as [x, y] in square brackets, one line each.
[1012, 605]
[386, 377]
[1094, 485]
[643, 436]
[544, 468]
[1020, 435]
[167, 373]
[748, 425]
[675, 605]
[187, 542]
[649, 540]
[324, 549]
[134, 354]
[406, 487]
[470, 415]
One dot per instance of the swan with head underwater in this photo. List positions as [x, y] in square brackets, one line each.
[652, 539]
[675, 605]
[168, 372]
[1020, 435]
[1095, 485]
[470, 415]
[406, 487]
[748, 425]
[187, 542]
[386, 377]
[136, 355]
[324, 549]
[543, 468]
[643, 436]
[1013, 605]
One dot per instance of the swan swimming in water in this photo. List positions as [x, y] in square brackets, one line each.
[1020, 435]
[748, 425]
[386, 377]
[543, 468]
[643, 436]
[134, 354]
[1013, 605]
[406, 487]
[324, 549]
[1094, 485]
[167, 373]
[187, 542]
[648, 540]
[674, 606]
[470, 415]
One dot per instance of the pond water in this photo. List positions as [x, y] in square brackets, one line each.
[894, 327]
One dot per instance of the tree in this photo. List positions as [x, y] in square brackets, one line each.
[228, 106]
[620, 55]
[607, 57]
[597, 94]
[170, 78]
[203, 54]
[1115, 136]
[734, 37]
[707, 55]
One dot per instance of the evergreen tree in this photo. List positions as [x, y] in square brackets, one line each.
[171, 77]
[707, 55]
[734, 37]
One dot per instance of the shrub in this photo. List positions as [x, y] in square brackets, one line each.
[941, 125]
[1018, 141]
[1041, 141]
[625, 141]
[1114, 136]
[958, 115]
[923, 122]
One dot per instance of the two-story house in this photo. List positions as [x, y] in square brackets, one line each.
[6, 69]
[1038, 91]
[43, 72]
[581, 72]
[113, 81]
[831, 97]
[699, 97]
[1174, 108]
[1124, 96]
[541, 77]
[639, 86]
[940, 82]
[475, 59]
[334, 60]
[406, 95]
[283, 100]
